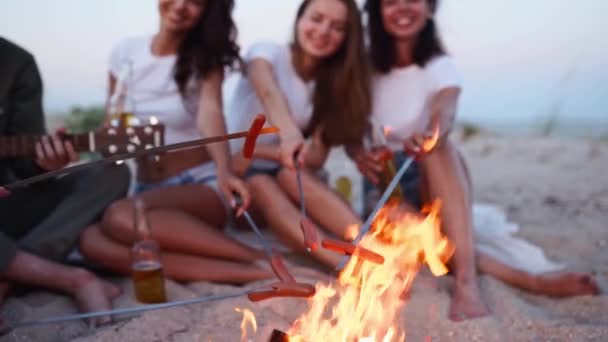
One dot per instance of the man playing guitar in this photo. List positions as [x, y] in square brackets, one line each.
[41, 223]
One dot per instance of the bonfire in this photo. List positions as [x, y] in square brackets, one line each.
[365, 302]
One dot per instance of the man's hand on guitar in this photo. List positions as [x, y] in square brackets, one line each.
[53, 154]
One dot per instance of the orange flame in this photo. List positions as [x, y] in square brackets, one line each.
[248, 319]
[365, 304]
[430, 143]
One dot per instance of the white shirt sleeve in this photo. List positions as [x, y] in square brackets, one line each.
[444, 72]
[265, 50]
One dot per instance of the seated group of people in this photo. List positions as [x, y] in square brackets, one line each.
[321, 90]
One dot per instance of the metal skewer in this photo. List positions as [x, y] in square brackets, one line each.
[300, 190]
[124, 311]
[258, 233]
[385, 196]
[154, 150]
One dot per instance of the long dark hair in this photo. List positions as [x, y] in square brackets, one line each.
[382, 44]
[209, 46]
[342, 95]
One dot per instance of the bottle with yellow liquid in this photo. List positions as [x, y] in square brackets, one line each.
[121, 106]
[380, 148]
[344, 186]
[389, 171]
[146, 267]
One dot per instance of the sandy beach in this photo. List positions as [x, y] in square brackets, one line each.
[555, 189]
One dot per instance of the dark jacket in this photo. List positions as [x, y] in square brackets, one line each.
[20, 106]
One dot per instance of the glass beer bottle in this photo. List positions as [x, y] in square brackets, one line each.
[146, 267]
[389, 170]
[122, 105]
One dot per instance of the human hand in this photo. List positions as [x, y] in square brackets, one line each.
[293, 151]
[369, 163]
[230, 185]
[422, 142]
[53, 154]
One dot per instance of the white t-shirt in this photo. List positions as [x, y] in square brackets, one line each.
[244, 104]
[153, 89]
[401, 98]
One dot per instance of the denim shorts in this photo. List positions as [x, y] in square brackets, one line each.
[201, 174]
[258, 170]
[410, 184]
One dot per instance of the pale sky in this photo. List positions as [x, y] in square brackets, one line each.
[522, 59]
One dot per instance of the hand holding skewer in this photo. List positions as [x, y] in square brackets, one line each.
[287, 286]
[309, 229]
[428, 146]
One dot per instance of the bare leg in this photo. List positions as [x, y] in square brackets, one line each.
[178, 219]
[283, 216]
[90, 292]
[322, 204]
[558, 284]
[447, 180]
[182, 267]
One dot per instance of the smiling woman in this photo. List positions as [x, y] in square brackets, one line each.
[310, 88]
[176, 75]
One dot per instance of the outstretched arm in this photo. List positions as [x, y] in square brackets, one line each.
[317, 151]
[444, 105]
[211, 123]
[261, 75]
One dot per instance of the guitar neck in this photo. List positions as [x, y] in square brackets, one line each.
[25, 145]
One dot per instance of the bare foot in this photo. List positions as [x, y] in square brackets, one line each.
[467, 303]
[566, 284]
[93, 294]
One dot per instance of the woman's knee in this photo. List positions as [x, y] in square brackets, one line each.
[88, 241]
[117, 221]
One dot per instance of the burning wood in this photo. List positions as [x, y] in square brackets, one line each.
[278, 336]
[350, 249]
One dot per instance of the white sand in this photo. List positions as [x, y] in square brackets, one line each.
[556, 190]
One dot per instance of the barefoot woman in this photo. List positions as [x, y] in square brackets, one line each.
[416, 88]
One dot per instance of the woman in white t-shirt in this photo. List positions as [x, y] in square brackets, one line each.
[416, 88]
[176, 76]
[315, 88]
